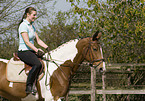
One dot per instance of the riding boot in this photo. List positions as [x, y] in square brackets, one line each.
[31, 78]
[28, 89]
[34, 89]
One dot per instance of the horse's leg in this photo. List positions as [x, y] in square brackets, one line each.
[39, 92]
[10, 97]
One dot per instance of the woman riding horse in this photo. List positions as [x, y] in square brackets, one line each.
[27, 52]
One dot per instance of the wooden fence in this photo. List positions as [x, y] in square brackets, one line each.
[93, 91]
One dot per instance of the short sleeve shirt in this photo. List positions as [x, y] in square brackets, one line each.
[25, 26]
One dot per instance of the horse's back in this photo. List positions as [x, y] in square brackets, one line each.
[2, 67]
[15, 91]
[3, 64]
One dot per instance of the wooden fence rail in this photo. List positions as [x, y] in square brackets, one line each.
[93, 90]
[109, 92]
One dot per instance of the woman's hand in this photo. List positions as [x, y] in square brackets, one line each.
[40, 53]
[48, 50]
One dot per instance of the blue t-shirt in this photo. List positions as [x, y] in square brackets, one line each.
[26, 27]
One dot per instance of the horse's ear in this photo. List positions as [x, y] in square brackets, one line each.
[96, 36]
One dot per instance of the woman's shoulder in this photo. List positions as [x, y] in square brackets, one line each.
[23, 25]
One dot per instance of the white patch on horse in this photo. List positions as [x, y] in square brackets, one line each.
[11, 84]
[64, 52]
[104, 68]
[4, 60]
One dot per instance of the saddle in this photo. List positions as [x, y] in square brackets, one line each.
[27, 68]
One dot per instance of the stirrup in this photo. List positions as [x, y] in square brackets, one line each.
[34, 91]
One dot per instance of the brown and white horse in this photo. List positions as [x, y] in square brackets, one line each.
[17, 91]
[68, 58]
[87, 50]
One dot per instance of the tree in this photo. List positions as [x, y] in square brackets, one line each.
[122, 24]
[63, 27]
[59, 31]
[11, 12]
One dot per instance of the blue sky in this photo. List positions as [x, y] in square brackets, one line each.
[62, 5]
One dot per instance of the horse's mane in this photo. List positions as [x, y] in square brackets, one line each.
[64, 52]
[63, 45]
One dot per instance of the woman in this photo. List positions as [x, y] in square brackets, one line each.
[27, 52]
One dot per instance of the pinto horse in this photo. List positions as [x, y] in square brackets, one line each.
[88, 49]
[69, 56]
[16, 92]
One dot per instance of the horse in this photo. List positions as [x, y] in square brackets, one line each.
[17, 92]
[88, 49]
[70, 55]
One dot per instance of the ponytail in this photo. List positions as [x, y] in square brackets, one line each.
[24, 16]
[28, 10]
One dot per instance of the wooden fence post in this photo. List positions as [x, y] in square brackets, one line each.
[104, 86]
[129, 82]
[93, 84]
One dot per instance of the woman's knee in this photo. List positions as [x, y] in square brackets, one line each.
[39, 65]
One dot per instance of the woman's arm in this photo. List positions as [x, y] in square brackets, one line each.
[40, 42]
[28, 43]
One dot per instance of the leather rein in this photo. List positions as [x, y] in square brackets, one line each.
[83, 54]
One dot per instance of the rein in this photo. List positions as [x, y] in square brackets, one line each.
[47, 72]
[84, 53]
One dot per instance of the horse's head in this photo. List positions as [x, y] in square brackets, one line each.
[91, 51]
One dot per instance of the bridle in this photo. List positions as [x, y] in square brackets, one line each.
[88, 49]
[84, 54]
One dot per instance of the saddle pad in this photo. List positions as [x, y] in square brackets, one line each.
[13, 69]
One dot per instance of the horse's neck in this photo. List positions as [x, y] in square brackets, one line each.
[77, 61]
